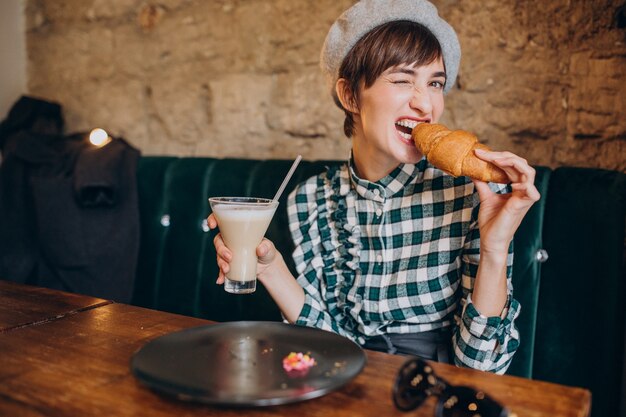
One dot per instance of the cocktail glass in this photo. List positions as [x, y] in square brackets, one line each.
[243, 222]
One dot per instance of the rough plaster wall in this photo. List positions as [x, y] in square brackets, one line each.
[240, 78]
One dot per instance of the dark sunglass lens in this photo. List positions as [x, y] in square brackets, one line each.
[467, 402]
[413, 384]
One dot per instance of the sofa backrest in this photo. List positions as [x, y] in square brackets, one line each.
[572, 318]
[582, 297]
[177, 269]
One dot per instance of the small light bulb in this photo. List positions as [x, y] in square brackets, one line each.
[99, 137]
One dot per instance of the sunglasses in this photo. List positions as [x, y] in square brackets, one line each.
[416, 381]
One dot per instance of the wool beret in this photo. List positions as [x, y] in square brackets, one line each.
[365, 15]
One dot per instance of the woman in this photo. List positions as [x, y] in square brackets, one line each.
[390, 251]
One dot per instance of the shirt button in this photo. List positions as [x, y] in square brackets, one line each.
[376, 192]
[358, 298]
[379, 258]
[379, 212]
[375, 307]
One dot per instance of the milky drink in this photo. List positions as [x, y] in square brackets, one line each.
[242, 223]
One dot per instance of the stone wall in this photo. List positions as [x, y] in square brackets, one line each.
[240, 78]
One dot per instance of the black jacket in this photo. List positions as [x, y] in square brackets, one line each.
[69, 214]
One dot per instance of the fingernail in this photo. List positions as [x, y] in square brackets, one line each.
[482, 151]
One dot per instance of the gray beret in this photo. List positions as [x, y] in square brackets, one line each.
[365, 15]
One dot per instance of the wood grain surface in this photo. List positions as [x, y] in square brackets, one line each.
[24, 304]
[77, 364]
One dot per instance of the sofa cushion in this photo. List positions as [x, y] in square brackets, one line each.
[150, 188]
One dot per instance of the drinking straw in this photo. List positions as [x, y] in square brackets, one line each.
[288, 177]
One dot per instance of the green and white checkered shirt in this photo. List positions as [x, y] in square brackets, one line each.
[397, 256]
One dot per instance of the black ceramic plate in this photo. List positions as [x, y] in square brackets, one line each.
[240, 363]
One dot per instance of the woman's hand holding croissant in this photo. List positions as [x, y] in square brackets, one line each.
[501, 214]
[458, 152]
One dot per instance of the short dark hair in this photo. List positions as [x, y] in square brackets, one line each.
[385, 46]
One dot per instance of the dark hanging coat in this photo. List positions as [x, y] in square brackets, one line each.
[69, 214]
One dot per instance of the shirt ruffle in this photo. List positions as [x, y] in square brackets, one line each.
[340, 244]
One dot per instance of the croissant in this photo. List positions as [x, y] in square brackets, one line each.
[452, 151]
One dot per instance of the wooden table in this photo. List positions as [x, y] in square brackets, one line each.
[68, 355]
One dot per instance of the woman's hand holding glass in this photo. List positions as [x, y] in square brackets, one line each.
[266, 252]
[272, 271]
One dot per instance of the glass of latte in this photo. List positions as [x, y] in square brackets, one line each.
[243, 222]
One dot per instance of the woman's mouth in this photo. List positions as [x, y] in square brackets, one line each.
[405, 127]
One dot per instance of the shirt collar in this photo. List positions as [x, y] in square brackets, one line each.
[389, 185]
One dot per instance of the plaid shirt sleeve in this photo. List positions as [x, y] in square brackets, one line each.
[302, 209]
[480, 342]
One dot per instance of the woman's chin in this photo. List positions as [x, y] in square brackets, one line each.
[410, 153]
[414, 160]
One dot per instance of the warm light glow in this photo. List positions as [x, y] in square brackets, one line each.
[99, 137]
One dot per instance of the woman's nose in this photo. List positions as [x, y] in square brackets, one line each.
[420, 101]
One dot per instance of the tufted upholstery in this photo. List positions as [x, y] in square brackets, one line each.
[572, 319]
[580, 312]
[176, 268]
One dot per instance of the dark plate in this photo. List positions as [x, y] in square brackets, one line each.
[240, 363]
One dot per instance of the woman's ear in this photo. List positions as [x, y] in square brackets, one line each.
[346, 96]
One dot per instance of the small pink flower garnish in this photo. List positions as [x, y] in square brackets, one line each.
[298, 362]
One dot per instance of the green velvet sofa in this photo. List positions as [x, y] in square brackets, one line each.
[572, 321]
